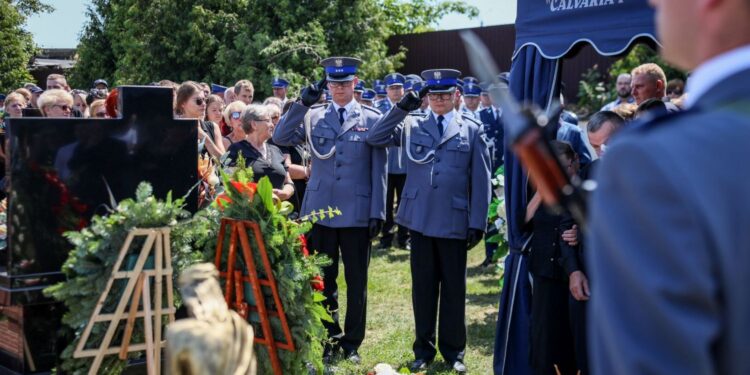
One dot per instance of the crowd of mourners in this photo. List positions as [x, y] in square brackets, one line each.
[233, 122]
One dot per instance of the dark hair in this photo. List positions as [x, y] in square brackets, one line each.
[600, 118]
[563, 149]
[184, 92]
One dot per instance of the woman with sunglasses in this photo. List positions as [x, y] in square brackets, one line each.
[190, 103]
[56, 103]
[264, 158]
[232, 115]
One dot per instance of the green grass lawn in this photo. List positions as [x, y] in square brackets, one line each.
[390, 321]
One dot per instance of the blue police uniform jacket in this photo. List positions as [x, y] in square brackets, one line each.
[396, 164]
[669, 225]
[447, 189]
[353, 178]
[493, 129]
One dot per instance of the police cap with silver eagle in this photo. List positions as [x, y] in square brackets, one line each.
[341, 69]
[394, 79]
[441, 80]
[369, 94]
[279, 83]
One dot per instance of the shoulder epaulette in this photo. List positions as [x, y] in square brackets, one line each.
[371, 109]
[471, 118]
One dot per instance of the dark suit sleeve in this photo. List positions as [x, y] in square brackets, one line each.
[387, 130]
[568, 254]
[290, 130]
[655, 307]
[480, 182]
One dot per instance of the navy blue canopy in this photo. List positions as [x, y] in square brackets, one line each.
[555, 26]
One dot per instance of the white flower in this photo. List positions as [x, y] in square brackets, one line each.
[384, 369]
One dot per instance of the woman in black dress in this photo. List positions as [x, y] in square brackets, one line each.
[552, 345]
[265, 159]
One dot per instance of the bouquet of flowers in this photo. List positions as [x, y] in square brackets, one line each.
[296, 269]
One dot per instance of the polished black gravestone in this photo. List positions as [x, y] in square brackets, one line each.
[58, 175]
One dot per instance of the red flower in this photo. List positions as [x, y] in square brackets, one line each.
[247, 189]
[317, 283]
[303, 245]
[223, 198]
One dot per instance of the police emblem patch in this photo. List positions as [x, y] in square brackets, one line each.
[339, 63]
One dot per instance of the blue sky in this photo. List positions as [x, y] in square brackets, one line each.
[61, 28]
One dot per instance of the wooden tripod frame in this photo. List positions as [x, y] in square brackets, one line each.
[234, 282]
[137, 279]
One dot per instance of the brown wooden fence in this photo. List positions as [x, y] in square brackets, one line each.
[444, 49]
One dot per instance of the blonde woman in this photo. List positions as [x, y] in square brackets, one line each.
[232, 114]
[56, 103]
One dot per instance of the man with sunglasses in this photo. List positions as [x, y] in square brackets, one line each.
[444, 204]
[347, 174]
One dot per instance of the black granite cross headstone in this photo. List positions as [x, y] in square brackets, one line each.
[59, 173]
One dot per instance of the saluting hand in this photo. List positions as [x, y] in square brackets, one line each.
[412, 101]
[310, 95]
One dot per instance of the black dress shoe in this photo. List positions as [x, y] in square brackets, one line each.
[459, 367]
[353, 357]
[486, 263]
[419, 364]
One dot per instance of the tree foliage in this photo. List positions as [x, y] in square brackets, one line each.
[139, 41]
[16, 44]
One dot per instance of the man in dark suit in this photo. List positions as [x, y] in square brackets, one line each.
[669, 242]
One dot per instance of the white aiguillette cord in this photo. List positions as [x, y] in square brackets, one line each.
[429, 158]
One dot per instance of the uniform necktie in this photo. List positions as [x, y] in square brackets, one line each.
[497, 114]
[440, 124]
[341, 115]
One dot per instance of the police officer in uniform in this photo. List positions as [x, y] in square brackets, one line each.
[279, 86]
[444, 204]
[669, 248]
[358, 91]
[491, 117]
[367, 97]
[347, 174]
[471, 99]
[394, 87]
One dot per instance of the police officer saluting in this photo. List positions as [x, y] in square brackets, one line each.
[394, 87]
[444, 204]
[347, 174]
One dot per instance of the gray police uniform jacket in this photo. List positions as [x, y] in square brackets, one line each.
[396, 163]
[353, 179]
[447, 188]
[670, 242]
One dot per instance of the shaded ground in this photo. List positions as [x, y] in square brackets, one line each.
[390, 322]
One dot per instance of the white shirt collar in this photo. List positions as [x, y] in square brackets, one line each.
[447, 118]
[713, 71]
[347, 108]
